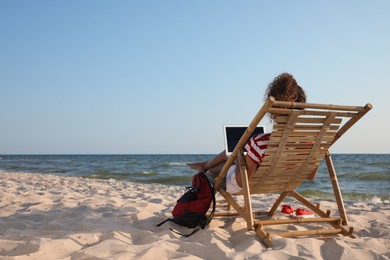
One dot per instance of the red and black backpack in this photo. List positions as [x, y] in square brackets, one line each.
[190, 210]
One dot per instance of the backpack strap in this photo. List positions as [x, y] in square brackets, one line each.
[214, 201]
[177, 232]
[169, 219]
[186, 235]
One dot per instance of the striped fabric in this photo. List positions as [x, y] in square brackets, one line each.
[256, 147]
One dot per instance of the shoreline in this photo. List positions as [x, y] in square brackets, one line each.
[307, 192]
[46, 216]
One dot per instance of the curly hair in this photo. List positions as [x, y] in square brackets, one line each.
[285, 88]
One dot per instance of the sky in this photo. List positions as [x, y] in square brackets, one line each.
[163, 77]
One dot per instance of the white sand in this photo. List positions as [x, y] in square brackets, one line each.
[51, 217]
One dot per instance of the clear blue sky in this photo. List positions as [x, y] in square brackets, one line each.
[165, 76]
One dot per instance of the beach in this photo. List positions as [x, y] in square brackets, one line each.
[45, 216]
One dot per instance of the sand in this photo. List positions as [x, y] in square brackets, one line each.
[49, 217]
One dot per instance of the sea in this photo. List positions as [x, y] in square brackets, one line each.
[362, 177]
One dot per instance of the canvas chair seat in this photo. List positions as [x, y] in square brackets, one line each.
[300, 140]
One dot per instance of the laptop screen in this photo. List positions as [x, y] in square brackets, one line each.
[233, 133]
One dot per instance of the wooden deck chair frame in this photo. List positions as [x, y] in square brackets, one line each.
[300, 140]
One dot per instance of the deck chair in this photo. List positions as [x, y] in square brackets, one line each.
[300, 140]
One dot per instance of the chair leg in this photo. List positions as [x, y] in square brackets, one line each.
[263, 235]
[240, 210]
[282, 196]
[247, 195]
[228, 206]
[308, 204]
[336, 188]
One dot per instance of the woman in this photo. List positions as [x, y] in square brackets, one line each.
[283, 88]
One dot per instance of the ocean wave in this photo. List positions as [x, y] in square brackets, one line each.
[134, 176]
[366, 176]
[177, 164]
[353, 196]
[169, 180]
[383, 163]
[149, 173]
[316, 194]
[374, 176]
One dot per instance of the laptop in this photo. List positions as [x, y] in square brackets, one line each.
[233, 133]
